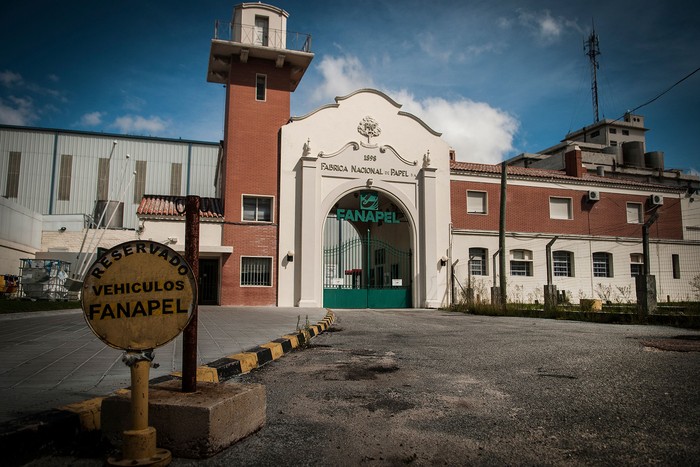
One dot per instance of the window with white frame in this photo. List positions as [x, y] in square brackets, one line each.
[560, 208]
[676, 266]
[478, 261]
[256, 271]
[563, 263]
[602, 264]
[260, 87]
[520, 263]
[257, 208]
[635, 213]
[636, 264]
[476, 202]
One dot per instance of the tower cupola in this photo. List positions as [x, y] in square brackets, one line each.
[258, 30]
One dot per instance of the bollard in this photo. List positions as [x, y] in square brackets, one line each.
[139, 443]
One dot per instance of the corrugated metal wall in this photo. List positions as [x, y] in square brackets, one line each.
[42, 151]
[36, 164]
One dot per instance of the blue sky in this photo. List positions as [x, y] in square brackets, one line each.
[498, 78]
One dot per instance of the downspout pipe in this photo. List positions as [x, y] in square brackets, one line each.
[548, 248]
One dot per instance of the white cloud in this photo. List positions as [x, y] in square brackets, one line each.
[477, 131]
[9, 78]
[132, 103]
[341, 76]
[544, 26]
[54, 78]
[441, 50]
[139, 124]
[19, 111]
[91, 119]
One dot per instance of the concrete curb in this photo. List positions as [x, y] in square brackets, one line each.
[27, 437]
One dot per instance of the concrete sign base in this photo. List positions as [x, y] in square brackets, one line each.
[192, 425]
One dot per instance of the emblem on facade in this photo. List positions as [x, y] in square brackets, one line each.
[369, 127]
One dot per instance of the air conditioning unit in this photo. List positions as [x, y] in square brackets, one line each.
[657, 200]
[593, 195]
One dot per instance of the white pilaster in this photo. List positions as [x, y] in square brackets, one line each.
[430, 259]
[310, 254]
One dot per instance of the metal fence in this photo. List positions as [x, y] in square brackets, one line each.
[250, 34]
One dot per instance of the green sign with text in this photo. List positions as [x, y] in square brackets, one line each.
[369, 210]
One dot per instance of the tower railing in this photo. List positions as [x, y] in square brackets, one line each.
[267, 37]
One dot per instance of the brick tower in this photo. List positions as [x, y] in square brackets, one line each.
[260, 65]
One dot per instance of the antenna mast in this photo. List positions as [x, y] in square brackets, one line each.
[592, 50]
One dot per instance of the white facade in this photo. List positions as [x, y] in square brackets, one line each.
[363, 141]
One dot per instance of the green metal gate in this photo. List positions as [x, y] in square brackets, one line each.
[366, 273]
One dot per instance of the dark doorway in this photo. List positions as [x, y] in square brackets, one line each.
[208, 281]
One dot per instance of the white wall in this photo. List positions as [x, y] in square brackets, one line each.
[583, 284]
[20, 235]
[327, 139]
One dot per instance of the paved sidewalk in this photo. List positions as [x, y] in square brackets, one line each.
[48, 359]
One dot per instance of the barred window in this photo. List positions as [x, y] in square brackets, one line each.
[602, 264]
[521, 263]
[636, 264]
[256, 271]
[563, 263]
[478, 261]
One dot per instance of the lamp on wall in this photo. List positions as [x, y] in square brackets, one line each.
[444, 260]
[290, 256]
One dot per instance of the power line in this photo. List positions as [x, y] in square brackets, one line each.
[659, 95]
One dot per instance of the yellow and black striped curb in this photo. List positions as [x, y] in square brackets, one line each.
[64, 424]
[243, 362]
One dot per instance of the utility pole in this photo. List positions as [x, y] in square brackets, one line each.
[592, 50]
[502, 238]
[646, 283]
[189, 335]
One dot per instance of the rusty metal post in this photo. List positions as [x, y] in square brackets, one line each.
[189, 335]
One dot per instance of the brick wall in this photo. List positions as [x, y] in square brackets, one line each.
[252, 168]
[528, 211]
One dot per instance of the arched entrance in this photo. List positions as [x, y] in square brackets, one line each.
[367, 257]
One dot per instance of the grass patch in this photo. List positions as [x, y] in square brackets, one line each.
[24, 306]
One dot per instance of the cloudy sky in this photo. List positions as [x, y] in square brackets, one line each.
[497, 78]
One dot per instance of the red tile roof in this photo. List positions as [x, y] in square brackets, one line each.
[558, 175]
[174, 206]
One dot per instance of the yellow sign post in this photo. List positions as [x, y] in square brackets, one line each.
[138, 296]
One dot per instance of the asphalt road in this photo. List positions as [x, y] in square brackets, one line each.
[428, 387]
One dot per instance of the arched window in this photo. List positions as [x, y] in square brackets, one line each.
[478, 261]
[520, 263]
[636, 264]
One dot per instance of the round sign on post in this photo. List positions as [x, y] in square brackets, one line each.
[139, 295]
